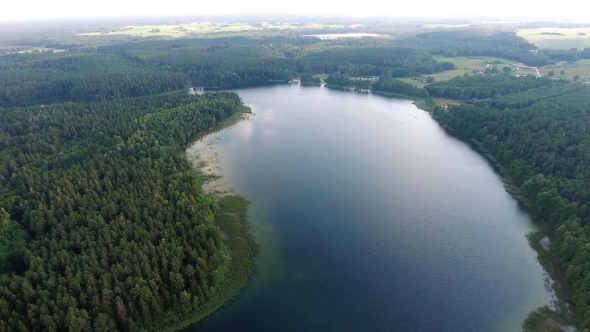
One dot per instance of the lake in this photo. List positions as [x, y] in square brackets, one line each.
[371, 217]
[343, 35]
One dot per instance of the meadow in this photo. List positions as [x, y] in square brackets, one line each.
[571, 69]
[554, 38]
[463, 65]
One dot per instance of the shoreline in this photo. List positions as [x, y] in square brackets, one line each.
[202, 155]
[564, 311]
[230, 217]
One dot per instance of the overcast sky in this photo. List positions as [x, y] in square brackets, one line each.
[11, 10]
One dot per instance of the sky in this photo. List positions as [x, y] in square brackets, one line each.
[15, 10]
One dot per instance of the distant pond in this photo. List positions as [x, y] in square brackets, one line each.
[343, 35]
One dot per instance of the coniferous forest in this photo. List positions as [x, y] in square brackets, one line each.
[104, 225]
[103, 222]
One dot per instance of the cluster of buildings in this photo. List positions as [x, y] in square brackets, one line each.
[425, 79]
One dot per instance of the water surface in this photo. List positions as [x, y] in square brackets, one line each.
[372, 218]
[343, 35]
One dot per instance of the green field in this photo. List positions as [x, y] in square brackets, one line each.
[413, 82]
[569, 38]
[463, 65]
[199, 28]
[444, 102]
[468, 64]
[580, 67]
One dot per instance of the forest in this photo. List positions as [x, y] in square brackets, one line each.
[112, 73]
[103, 225]
[482, 87]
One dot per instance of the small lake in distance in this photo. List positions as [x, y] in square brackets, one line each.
[343, 35]
[371, 217]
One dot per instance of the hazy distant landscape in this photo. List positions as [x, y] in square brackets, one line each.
[291, 172]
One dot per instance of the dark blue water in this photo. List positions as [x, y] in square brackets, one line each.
[372, 218]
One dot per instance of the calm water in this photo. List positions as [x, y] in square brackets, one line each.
[343, 35]
[372, 218]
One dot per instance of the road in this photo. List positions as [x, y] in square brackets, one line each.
[522, 65]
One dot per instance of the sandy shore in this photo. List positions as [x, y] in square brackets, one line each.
[204, 157]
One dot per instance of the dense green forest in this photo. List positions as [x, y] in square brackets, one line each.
[79, 77]
[103, 225]
[137, 69]
[537, 129]
[481, 87]
[247, 62]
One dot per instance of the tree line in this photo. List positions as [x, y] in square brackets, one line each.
[135, 69]
[482, 87]
[43, 78]
[389, 85]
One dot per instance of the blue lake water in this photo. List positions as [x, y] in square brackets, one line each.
[371, 217]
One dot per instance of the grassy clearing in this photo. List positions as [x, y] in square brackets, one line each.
[444, 102]
[414, 82]
[200, 28]
[580, 67]
[568, 38]
[463, 65]
[468, 64]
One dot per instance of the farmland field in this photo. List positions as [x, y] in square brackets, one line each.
[468, 64]
[561, 39]
[199, 28]
[465, 65]
[580, 67]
